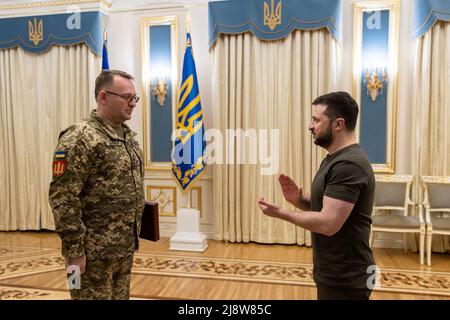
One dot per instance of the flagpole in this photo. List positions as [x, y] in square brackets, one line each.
[189, 198]
[188, 236]
[105, 62]
[188, 23]
[188, 30]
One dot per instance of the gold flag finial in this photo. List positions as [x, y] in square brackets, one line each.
[105, 35]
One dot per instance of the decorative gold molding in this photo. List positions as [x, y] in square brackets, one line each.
[147, 22]
[435, 179]
[156, 166]
[51, 4]
[161, 175]
[393, 178]
[163, 199]
[393, 58]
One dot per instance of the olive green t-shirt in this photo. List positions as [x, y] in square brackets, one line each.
[343, 259]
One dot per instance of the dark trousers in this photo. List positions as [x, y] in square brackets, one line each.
[105, 280]
[325, 292]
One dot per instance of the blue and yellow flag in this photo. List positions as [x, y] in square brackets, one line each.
[189, 145]
[105, 62]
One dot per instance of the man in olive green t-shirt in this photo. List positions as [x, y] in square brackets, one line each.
[338, 211]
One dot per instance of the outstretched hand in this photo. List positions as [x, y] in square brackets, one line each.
[269, 209]
[291, 192]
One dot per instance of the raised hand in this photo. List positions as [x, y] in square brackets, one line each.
[291, 192]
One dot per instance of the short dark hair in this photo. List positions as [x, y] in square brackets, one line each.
[106, 78]
[340, 105]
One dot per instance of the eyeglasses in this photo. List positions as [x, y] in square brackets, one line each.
[128, 97]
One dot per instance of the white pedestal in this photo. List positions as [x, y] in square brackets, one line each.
[188, 236]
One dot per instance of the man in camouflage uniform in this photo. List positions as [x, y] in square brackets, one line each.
[97, 192]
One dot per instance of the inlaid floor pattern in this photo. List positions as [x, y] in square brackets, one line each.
[25, 261]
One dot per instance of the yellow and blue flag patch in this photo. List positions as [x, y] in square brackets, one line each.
[60, 154]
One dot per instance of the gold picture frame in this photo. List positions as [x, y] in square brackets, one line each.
[393, 6]
[147, 22]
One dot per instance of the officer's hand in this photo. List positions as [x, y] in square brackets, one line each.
[291, 192]
[80, 262]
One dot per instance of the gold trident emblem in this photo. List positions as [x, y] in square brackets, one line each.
[35, 31]
[272, 18]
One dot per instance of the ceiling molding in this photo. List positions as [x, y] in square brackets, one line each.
[147, 5]
[20, 5]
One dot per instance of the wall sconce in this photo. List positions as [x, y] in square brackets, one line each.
[374, 85]
[159, 90]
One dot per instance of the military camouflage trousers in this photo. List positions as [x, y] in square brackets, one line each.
[105, 280]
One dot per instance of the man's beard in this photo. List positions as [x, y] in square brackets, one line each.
[325, 140]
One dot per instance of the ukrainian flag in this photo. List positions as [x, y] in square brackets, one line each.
[105, 61]
[189, 145]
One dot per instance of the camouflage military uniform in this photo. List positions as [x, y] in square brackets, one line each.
[97, 197]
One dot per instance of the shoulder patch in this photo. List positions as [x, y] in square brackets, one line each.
[59, 168]
[60, 154]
